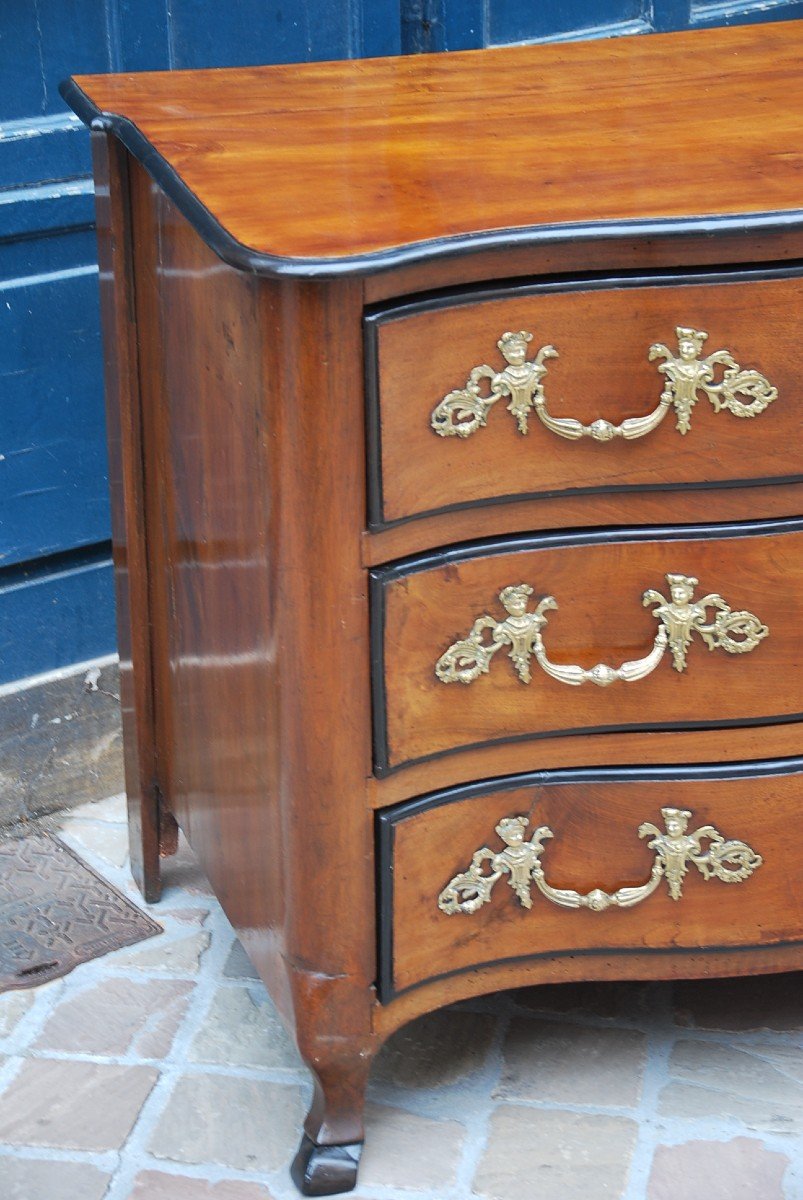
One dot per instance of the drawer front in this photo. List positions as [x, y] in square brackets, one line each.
[671, 859]
[605, 631]
[555, 426]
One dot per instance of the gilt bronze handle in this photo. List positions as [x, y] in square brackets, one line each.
[675, 850]
[680, 617]
[685, 375]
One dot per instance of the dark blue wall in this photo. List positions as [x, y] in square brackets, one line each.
[471, 24]
[56, 602]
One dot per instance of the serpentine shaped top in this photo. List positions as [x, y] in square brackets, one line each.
[327, 169]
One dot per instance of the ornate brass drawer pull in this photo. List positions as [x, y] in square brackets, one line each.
[520, 861]
[743, 393]
[680, 617]
[603, 675]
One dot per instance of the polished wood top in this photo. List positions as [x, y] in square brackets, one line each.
[364, 163]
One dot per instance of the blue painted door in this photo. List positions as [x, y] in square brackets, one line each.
[470, 24]
[56, 602]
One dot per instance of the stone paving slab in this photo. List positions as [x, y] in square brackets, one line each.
[28, 1179]
[73, 1105]
[230, 1120]
[155, 1185]
[743, 1166]
[162, 1072]
[409, 1151]
[13, 1007]
[242, 1029]
[714, 1080]
[437, 1050]
[553, 1154]
[119, 1016]
[567, 1064]
[180, 956]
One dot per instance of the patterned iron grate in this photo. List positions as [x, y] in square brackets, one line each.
[56, 912]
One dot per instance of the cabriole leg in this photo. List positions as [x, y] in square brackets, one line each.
[329, 1155]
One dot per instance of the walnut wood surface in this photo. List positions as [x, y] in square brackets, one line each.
[129, 534]
[590, 749]
[602, 337]
[687, 507]
[600, 619]
[596, 845]
[238, 598]
[581, 256]
[634, 964]
[343, 159]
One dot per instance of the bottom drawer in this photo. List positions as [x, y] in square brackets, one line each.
[610, 861]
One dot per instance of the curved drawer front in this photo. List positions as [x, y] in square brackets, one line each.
[561, 863]
[596, 632]
[578, 408]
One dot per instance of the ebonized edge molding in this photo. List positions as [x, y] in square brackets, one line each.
[245, 258]
[386, 821]
[380, 577]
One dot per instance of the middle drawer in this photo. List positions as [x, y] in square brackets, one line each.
[644, 629]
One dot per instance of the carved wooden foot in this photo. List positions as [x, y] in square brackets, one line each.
[325, 1170]
[329, 1154]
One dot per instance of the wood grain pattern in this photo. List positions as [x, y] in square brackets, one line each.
[237, 599]
[620, 749]
[149, 823]
[601, 619]
[584, 255]
[688, 507]
[635, 964]
[596, 845]
[602, 337]
[174, 276]
[337, 160]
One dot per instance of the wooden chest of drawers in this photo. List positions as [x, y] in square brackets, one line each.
[455, 437]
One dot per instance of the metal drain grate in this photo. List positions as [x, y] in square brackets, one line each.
[56, 912]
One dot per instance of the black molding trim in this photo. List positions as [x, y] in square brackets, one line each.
[422, 303]
[375, 500]
[245, 258]
[381, 314]
[387, 820]
[553, 538]
[638, 489]
[377, 620]
[381, 577]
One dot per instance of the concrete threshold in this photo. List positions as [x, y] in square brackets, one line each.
[60, 740]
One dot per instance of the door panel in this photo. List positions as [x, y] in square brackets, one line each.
[54, 609]
[53, 471]
[512, 21]
[470, 24]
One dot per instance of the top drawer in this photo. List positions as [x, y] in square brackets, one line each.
[454, 424]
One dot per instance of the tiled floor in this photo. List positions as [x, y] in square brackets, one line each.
[161, 1073]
